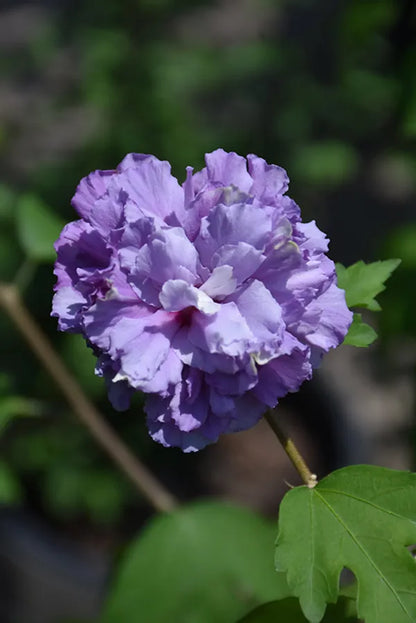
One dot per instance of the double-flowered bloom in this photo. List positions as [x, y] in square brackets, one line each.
[212, 297]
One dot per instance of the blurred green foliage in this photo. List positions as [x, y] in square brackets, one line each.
[37, 228]
[328, 90]
[222, 573]
[400, 317]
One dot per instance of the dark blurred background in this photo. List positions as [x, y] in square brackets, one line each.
[326, 89]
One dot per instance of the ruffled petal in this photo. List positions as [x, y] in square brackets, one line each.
[282, 375]
[168, 254]
[177, 295]
[248, 410]
[107, 212]
[81, 251]
[108, 323]
[269, 180]
[242, 257]
[139, 342]
[232, 224]
[228, 168]
[89, 190]
[264, 317]
[326, 319]
[220, 283]
[149, 184]
[183, 421]
[195, 357]
[234, 384]
[167, 375]
[68, 304]
[310, 238]
[224, 332]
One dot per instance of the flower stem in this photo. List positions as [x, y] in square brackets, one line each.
[155, 493]
[291, 450]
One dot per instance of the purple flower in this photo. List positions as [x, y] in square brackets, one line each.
[212, 297]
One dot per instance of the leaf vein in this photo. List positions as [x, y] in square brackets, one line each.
[365, 554]
[369, 503]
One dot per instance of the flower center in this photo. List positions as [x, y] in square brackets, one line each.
[185, 316]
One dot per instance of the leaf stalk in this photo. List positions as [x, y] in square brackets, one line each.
[291, 450]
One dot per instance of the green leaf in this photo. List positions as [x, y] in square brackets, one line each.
[360, 517]
[360, 333]
[38, 228]
[362, 282]
[350, 592]
[288, 611]
[202, 563]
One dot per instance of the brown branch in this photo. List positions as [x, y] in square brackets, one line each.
[146, 483]
[291, 450]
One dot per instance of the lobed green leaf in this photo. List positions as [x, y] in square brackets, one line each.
[363, 282]
[360, 333]
[359, 517]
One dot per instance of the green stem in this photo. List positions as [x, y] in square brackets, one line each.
[143, 479]
[291, 450]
